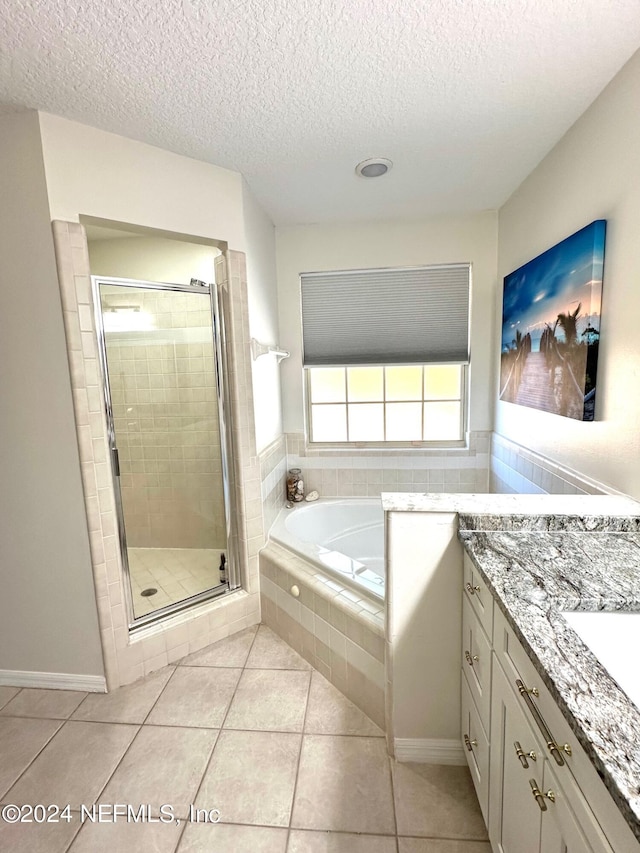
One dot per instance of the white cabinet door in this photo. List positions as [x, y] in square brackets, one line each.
[568, 824]
[516, 762]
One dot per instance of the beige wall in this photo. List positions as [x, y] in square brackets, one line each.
[54, 168]
[387, 244]
[263, 317]
[48, 620]
[152, 259]
[93, 173]
[97, 174]
[593, 173]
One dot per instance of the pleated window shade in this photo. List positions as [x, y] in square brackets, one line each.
[386, 316]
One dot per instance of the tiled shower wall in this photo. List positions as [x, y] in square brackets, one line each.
[367, 473]
[166, 422]
[514, 469]
[273, 471]
[127, 658]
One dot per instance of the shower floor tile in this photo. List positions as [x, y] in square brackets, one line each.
[202, 732]
[177, 573]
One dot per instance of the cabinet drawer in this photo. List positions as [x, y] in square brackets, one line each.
[476, 749]
[478, 595]
[476, 662]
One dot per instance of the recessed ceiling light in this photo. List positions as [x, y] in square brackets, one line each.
[374, 167]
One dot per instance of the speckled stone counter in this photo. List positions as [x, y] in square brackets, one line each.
[484, 510]
[536, 572]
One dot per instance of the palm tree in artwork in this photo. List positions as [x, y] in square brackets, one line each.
[568, 322]
[573, 354]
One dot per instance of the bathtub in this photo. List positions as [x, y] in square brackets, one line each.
[344, 538]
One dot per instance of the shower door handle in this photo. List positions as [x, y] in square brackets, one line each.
[115, 461]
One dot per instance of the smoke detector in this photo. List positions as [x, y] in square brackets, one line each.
[375, 167]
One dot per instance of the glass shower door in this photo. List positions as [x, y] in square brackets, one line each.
[163, 403]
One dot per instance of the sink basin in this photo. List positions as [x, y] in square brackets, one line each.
[614, 638]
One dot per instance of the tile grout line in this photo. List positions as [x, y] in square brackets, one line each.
[302, 736]
[210, 759]
[141, 725]
[204, 728]
[120, 722]
[4, 705]
[124, 754]
[40, 751]
[3, 710]
[159, 696]
[393, 800]
[110, 776]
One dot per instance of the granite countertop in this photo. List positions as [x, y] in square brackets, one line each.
[534, 573]
[530, 509]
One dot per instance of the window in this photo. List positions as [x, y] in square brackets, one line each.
[398, 403]
[384, 353]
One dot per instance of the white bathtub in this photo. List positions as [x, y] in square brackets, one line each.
[341, 537]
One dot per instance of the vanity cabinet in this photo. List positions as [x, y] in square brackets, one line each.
[535, 807]
[537, 788]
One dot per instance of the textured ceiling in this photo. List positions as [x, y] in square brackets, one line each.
[465, 96]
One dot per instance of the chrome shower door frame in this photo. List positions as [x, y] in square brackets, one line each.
[224, 413]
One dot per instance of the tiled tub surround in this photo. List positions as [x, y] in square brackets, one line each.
[535, 575]
[127, 658]
[165, 412]
[514, 469]
[366, 472]
[273, 478]
[340, 632]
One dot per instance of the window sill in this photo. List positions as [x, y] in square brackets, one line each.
[450, 448]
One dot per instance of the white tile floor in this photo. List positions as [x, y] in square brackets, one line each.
[244, 726]
[177, 573]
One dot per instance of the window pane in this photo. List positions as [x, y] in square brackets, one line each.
[442, 422]
[329, 423]
[366, 422]
[404, 383]
[365, 384]
[404, 421]
[442, 381]
[327, 385]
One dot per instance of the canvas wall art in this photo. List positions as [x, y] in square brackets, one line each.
[551, 327]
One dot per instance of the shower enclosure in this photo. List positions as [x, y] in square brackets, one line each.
[162, 355]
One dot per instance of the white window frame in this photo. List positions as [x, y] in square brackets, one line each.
[381, 445]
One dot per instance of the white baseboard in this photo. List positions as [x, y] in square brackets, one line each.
[429, 751]
[53, 680]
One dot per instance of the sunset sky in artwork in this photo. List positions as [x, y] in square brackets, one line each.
[555, 282]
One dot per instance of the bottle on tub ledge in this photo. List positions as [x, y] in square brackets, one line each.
[295, 485]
